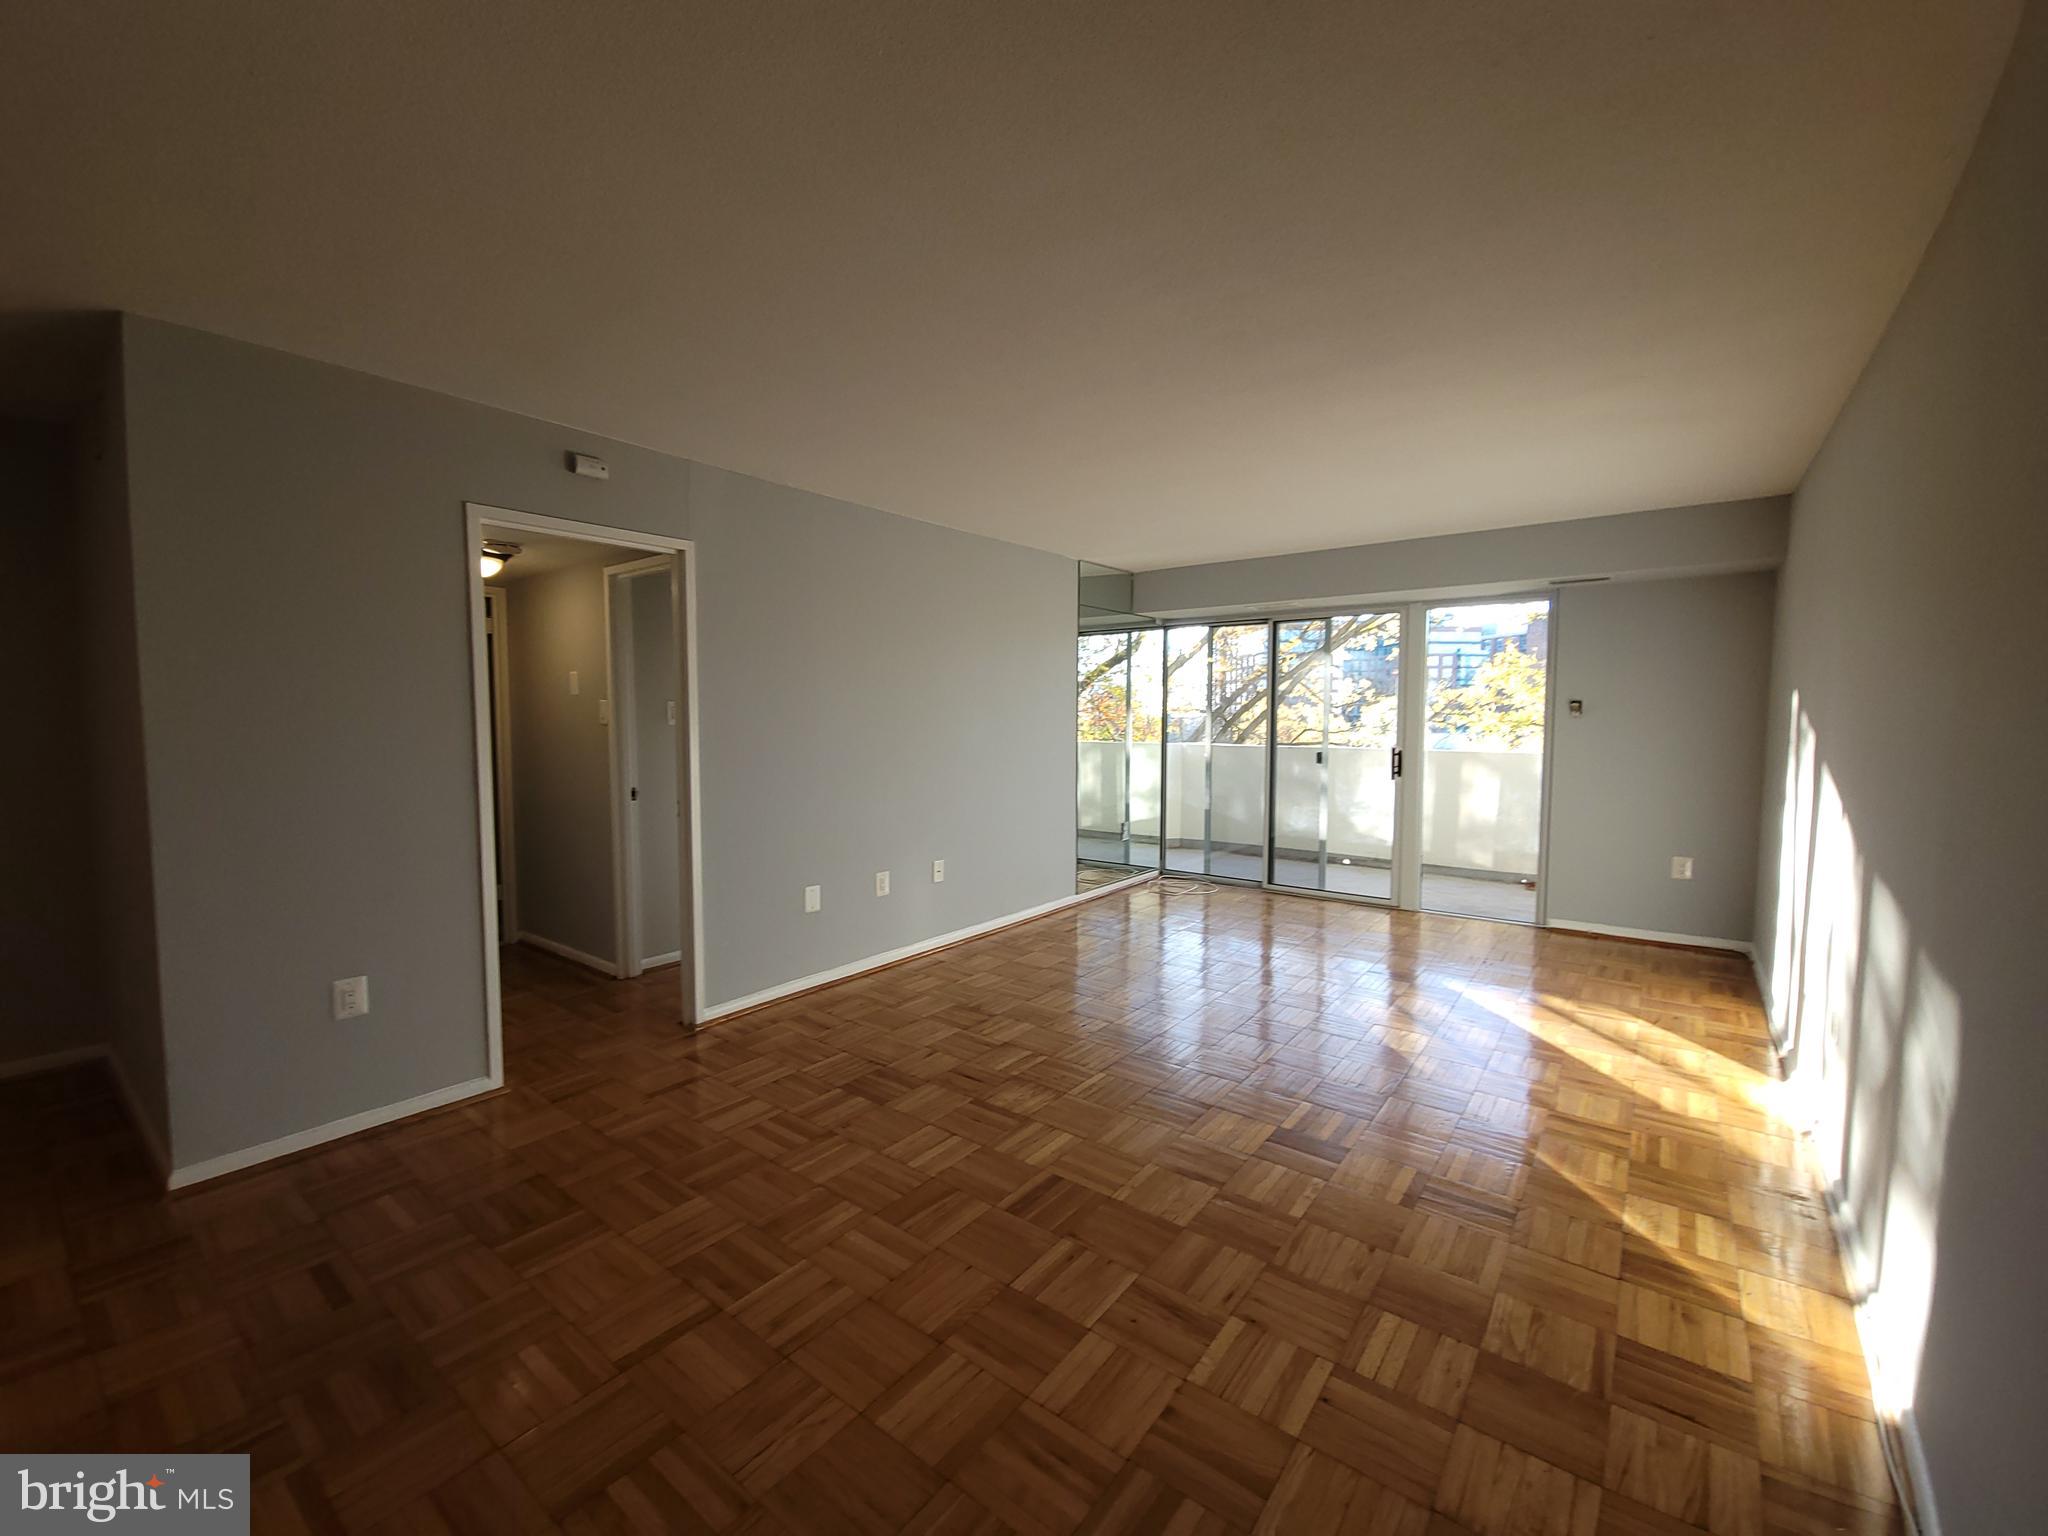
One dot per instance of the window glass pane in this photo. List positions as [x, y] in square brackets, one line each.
[1239, 711]
[1187, 683]
[1482, 800]
[1304, 676]
[1365, 676]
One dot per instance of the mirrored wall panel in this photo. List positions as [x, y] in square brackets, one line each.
[1119, 691]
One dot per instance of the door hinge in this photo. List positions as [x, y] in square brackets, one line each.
[633, 793]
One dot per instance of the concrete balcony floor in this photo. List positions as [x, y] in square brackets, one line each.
[1102, 861]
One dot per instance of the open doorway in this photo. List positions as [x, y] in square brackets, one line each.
[585, 748]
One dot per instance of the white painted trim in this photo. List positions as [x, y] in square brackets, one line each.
[1651, 935]
[334, 1130]
[596, 533]
[1922, 1518]
[501, 680]
[1551, 607]
[565, 952]
[648, 962]
[911, 951]
[486, 791]
[682, 595]
[28, 1066]
[1899, 1438]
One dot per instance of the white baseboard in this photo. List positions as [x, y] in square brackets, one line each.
[1905, 1452]
[51, 1061]
[563, 951]
[1923, 1519]
[673, 957]
[1651, 935]
[333, 1130]
[911, 951]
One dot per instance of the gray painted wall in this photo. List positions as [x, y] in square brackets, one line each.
[561, 757]
[301, 562]
[119, 849]
[1671, 541]
[1673, 667]
[876, 692]
[46, 891]
[1667, 756]
[1901, 911]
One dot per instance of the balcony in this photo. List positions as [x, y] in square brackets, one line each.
[1481, 819]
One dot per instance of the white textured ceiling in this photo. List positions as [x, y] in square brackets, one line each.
[1151, 283]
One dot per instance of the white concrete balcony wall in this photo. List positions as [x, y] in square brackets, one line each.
[1481, 810]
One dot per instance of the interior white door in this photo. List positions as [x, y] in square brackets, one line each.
[656, 816]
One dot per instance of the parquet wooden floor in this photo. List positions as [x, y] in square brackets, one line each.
[1170, 1213]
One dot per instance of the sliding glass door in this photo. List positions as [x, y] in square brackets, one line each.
[1336, 759]
[1278, 751]
[1482, 787]
[1216, 707]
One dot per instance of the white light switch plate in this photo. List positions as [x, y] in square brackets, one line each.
[814, 897]
[352, 997]
[881, 882]
[1681, 866]
[938, 871]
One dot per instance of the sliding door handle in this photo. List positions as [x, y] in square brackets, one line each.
[1395, 762]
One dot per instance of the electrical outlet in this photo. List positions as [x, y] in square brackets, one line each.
[1681, 866]
[352, 997]
[881, 882]
[814, 897]
[938, 871]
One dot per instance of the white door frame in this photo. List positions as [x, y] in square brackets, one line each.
[1407, 804]
[501, 687]
[682, 555]
[623, 741]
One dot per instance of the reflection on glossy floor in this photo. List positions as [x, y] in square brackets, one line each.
[1171, 1211]
[1507, 901]
[1093, 877]
[1462, 895]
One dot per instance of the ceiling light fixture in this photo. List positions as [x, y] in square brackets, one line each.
[496, 553]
